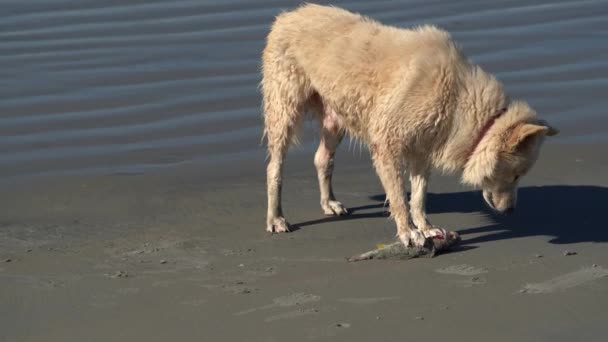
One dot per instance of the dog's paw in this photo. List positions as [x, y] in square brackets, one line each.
[412, 238]
[277, 225]
[334, 208]
[435, 232]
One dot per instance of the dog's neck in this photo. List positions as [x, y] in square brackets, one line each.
[485, 130]
[478, 106]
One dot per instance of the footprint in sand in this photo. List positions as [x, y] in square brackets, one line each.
[463, 270]
[566, 281]
[291, 314]
[368, 300]
[284, 301]
[466, 271]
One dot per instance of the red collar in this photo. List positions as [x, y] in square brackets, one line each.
[485, 130]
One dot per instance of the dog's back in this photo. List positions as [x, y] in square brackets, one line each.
[361, 68]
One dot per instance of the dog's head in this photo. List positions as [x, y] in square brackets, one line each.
[519, 148]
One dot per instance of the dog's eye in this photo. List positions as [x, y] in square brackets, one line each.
[515, 179]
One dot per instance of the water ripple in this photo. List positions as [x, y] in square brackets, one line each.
[108, 85]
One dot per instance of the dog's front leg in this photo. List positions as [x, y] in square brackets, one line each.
[419, 175]
[389, 167]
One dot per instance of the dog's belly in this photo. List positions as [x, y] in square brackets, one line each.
[331, 121]
[342, 114]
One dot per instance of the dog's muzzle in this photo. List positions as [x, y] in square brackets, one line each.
[489, 198]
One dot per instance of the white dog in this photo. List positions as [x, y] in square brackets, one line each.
[410, 95]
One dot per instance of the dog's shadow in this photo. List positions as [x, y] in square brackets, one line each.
[567, 214]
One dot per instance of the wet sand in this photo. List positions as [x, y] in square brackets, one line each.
[133, 194]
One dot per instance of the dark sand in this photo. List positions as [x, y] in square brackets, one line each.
[133, 194]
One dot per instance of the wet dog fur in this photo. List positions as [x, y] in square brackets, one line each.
[410, 95]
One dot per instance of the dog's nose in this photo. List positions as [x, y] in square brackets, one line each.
[509, 210]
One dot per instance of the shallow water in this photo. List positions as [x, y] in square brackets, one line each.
[115, 86]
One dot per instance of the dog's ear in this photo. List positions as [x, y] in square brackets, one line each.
[551, 130]
[523, 134]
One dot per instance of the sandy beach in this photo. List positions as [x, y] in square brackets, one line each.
[133, 201]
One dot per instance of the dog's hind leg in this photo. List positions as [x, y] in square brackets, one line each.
[285, 90]
[280, 129]
[331, 135]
